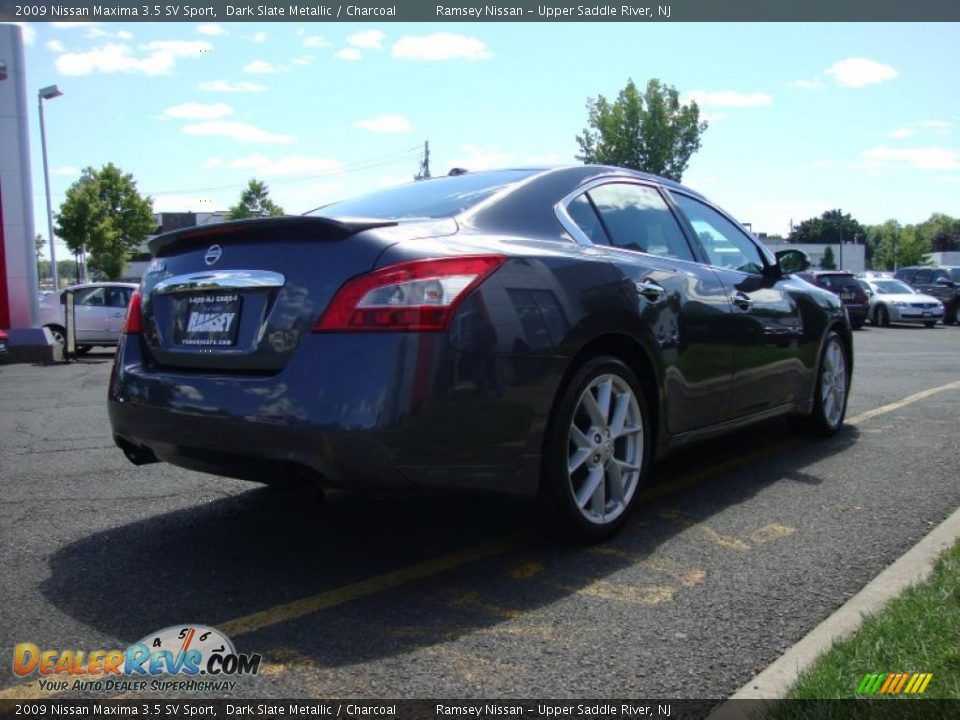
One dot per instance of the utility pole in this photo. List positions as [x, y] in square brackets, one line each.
[424, 173]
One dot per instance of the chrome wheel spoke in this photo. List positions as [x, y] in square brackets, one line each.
[589, 487]
[604, 459]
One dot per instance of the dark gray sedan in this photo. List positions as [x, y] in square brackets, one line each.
[525, 331]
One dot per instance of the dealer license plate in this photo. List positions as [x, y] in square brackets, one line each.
[210, 320]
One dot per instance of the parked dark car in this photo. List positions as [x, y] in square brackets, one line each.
[521, 331]
[847, 287]
[942, 282]
[4, 339]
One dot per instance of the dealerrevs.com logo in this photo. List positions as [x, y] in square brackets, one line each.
[178, 658]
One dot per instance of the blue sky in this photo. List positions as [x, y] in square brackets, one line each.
[803, 117]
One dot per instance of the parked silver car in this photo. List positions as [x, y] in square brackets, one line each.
[895, 301]
[99, 309]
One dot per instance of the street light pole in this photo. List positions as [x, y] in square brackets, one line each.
[48, 93]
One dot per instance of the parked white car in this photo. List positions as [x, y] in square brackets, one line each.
[99, 309]
[894, 301]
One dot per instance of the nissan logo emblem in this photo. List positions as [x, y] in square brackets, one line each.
[213, 254]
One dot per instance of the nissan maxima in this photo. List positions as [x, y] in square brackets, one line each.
[539, 332]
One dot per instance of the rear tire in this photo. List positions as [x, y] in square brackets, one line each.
[830, 392]
[597, 449]
[930, 324]
[84, 349]
[883, 316]
[59, 335]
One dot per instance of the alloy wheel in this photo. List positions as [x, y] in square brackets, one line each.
[833, 383]
[605, 449]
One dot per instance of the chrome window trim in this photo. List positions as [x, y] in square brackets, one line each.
[219, 280]
[580, 237]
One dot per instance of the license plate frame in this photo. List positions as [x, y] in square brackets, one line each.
[209, 320]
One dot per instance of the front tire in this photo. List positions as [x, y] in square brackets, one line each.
[883, 316]
[831, 391]
[597, 449]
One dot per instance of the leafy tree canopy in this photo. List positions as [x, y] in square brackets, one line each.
[106, 216]
[254, 202]
[650, 131]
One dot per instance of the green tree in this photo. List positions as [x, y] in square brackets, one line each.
[650, 131]
[828, 261]
[38, 245]
[105, 216]
[254, 202]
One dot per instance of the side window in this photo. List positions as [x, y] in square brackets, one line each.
[922, 277]
[90, 296]
[581, 212]
[637, 218]
[117, 297]
[725, 244]
[937, 274]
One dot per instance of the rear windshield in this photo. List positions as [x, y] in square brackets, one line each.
[437, 198]
[839, 282]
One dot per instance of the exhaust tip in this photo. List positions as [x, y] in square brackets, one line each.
[137, 454]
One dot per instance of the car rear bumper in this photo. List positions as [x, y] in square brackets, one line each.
[912, 315]
[352, 410]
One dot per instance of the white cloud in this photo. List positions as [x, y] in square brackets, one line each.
[350, 54]
[315, 41]
[199, 111]
[477, 158]
[260, 67]
[55, 46]
[27, 31]
[368, 39]
[302, 60]
[236, 131]
[385, 124]
[300, 197]
[227, 86]
[213, 162]
[728, 98]
[160, 58]
[65, 171]
[899, 134]
[857, 72]
[97, 33]
[808, 84]
[259, 37]
[929, 158]
[287, 165]
[211, 29]
[940, 127]
[440, 46]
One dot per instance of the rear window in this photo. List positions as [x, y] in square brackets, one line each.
[437, 198]
[839, 282]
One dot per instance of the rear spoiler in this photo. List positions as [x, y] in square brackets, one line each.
[221, 233]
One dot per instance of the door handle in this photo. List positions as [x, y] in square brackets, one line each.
[651, 290]
[742, 301]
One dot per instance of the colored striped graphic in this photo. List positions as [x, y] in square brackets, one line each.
[894, 683]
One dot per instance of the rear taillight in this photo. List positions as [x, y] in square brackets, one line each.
[133, 323]
[421, 295]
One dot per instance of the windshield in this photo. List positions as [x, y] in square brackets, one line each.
[955, 275]
[839, 282]
[437, 198]
[892, 287]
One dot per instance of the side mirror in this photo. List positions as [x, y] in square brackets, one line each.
[792, 261]
[946, 282]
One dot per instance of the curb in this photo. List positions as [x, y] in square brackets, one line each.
[914, 566]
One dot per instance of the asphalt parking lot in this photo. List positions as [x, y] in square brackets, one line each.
[741, 547]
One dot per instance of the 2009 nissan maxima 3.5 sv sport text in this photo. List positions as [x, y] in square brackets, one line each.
[520, 331]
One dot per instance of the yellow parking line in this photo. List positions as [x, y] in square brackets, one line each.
[363, 588]
[909, 400]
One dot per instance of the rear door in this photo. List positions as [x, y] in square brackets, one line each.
[681, 302]
[91, 315]
[766, 328]
[117, 298]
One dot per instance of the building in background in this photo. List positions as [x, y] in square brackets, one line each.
[850, 257]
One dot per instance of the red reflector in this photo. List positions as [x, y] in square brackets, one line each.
[421, 295]
[133, 323]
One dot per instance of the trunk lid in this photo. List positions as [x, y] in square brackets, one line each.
[238, 297]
